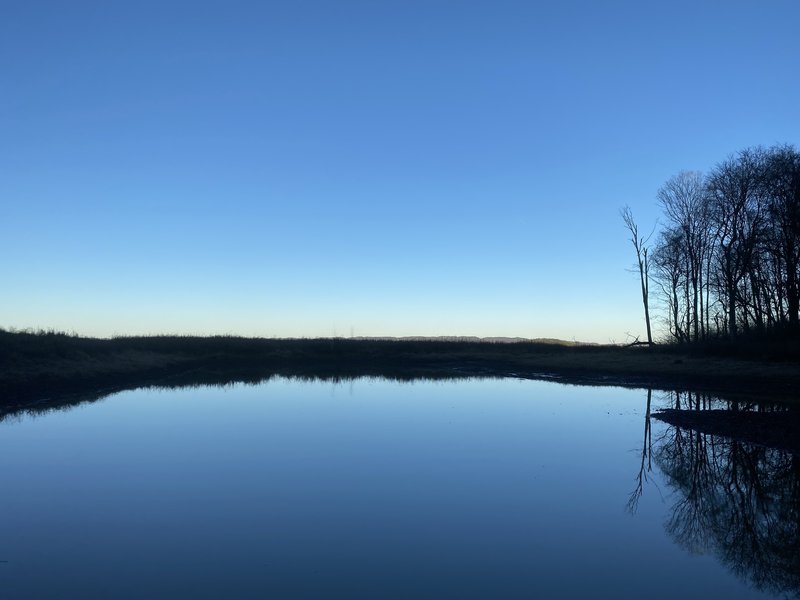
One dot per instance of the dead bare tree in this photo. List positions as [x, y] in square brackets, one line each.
[640, 245]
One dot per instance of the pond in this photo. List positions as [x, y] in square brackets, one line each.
[371, 488]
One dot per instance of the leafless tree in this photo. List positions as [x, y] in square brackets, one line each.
[684, 201]
[728, 257]
[782, 188]
[670, 276]
[640, 245]
[737, 212]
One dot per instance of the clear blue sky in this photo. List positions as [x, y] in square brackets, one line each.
[387, 168]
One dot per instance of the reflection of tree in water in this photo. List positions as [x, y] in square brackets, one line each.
[647, 465]
[738, 500]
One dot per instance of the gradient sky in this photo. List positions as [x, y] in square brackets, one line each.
[378, 168]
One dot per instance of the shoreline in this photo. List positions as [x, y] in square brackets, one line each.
[42, 373]
[38, 366]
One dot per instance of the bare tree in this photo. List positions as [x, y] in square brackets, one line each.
[782, 188]
[683, 199]
[640, 245]
[737, 212]
[670, 275]
[727, 260]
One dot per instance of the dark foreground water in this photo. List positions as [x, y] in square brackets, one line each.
[378, 489]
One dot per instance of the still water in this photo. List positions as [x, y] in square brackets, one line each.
[376, 489]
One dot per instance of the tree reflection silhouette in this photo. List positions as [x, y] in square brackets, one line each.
[646, 465]
[736, 500]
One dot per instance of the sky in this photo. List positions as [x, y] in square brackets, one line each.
[367, 168]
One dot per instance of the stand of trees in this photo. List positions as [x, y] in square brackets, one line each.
[727, 258]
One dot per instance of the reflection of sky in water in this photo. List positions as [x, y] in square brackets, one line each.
[365, 489]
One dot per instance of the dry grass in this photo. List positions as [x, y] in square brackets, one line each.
[51, 363]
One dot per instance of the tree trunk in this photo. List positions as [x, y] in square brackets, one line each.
[731, 309]
[792, 296]
[643, 277]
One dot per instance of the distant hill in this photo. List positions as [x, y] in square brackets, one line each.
[473, 338]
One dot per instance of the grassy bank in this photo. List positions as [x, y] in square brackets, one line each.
[36, 365]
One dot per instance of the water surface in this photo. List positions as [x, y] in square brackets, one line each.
[376, 489]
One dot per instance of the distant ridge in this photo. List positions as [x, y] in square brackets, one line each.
[53, 334]
[474, 338]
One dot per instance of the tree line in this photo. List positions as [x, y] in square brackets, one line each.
[726, 258]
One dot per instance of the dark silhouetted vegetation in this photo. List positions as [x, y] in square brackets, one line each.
[643, 264]
[727, 259]
[738, 486]
[45, 366]
[735, 468]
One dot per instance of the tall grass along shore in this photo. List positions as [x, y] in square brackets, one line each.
[41, 364]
